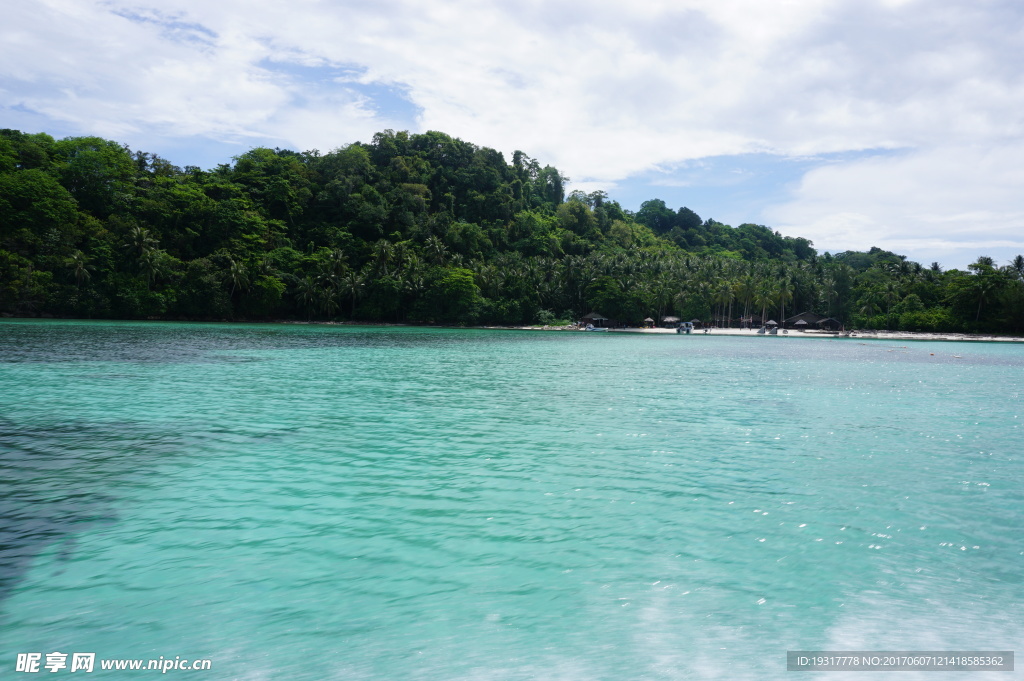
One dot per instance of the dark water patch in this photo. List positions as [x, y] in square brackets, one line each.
[197, 343]
[59, 479]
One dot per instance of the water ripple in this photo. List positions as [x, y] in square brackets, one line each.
[315, 502]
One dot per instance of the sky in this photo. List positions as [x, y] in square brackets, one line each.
[853, 123]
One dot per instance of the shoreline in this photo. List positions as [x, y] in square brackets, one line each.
[854, 335]
[873, 334]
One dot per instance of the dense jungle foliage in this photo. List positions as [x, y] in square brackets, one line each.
[423, 228]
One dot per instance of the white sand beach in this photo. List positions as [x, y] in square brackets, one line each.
[868, 334]
[872, 334]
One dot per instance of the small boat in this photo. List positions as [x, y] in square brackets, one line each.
[761, 330]
[591, 327]
[685, 327]
[774, 331]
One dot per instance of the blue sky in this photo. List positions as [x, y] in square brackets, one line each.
[855, 123]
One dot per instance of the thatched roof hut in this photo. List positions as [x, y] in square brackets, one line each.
[594, 319]
[810, 318]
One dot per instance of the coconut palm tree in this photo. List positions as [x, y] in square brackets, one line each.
[307, 295]
[238, 275]
[890, 294]
[139, 241]
[1018, 266]
[80, 267]
[869, 303]
[764, 297]
[827, 290]
[746, 290]
[152, 264]
[435, 250]
[984, 285]
[723, 296]
[337, 262]
[352, 283]
[784, 294]
[329, 301]
[383, 255]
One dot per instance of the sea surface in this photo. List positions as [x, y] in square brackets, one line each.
[339, 502]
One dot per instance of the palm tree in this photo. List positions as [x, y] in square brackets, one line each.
[329, 301]
[307, 295]
[352, 284]
[435, 250]
[151, 264]
[79, 264]
[142, 245]
[383, 255]
[984, 285]
[828, 289]
[746, 290]
[680, 298]
[139, 241]
[764, 297]
[890, 294]
[702, 290]
[1018, 266]
[869, 303]
[723, 296]
[415, 284]
[663, 294]
[238, 276]
[784, 293]
[337, 262]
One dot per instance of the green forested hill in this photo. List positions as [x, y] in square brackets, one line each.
[422, 227]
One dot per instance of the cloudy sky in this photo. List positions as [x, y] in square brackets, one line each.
[895, 123]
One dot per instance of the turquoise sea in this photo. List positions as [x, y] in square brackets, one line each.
[336, 502]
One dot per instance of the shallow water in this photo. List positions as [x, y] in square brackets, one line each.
[321, 502]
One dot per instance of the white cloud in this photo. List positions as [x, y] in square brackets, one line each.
[948, 205]
[602, 90]
[128, 72]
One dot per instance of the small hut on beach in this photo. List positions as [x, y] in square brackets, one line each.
[809, 319]
[594, 319]
[830, 323]
[670, 322]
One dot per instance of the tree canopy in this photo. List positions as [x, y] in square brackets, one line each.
[423, 228]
